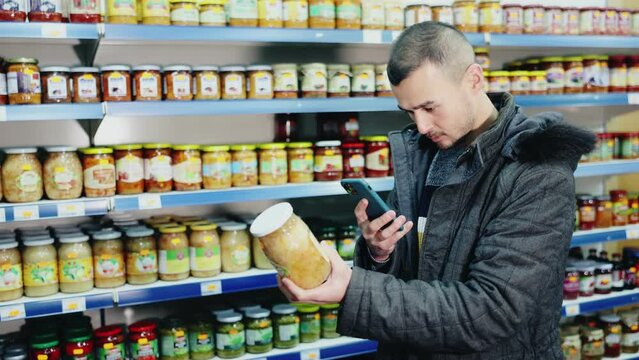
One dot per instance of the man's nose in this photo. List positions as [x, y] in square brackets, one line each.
[423, 122]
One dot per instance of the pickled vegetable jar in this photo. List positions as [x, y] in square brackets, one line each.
[259, 84]
[574, 75]
[23, 81]
[141, 256]
[212, 13]
[443, 12]
[236, 248]
[243, 13]
[259, 258]
[466, 15]
[147, 82]
[10, 271]
[122, 12]
[174, 339]
[185, 13]
[204, 247]
[300, 162]
[174, 253]
[99, 172]
[295, 14]
[143, 341]
[321, 14]
[328, 161]
[158, 168]
[56, 84]
[62, 172]
[206, 84]
[417, 12]
[363, 83]
[244, 165]
[216, 167]
[40, 268]
[330, 313]
[314, 80]
[230, 336]
[520, 82]
[187, 167]
[116, 82]
[88, 12]
[156, 12]
[201, 340]
[22, 175]
[285, 77]
[346, 240]
[393, 15]
[348, 14]
[310, 325]
[269, 13]
[86, 84]
[129, 167]
[273, 164]
[286, 326]
[534, 19]
[108, 259]
[233, 82]
[259, 331]
[75, 263]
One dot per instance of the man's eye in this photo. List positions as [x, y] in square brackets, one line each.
[429, 109]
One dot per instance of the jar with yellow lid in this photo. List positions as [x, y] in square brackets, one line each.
[482, 58]
[206, 83]
[499, 81]
[443, 13]
[417, 12]
[213, 13]
[321, 14]
[185, 13]
[339, 80]
[348, 14]
[177, 83]
[129, 168]
[204, 251]
[174, 260]
[243, 13]
[233, 82]
[187, 167]
[300, 162]
[491, 16]
[363, 83]
[273, 164]
[158, 168]
[216, 167]
[99, 172]
[314, 80]
[156, 12]
[269, 13]
[538, 82]
[285, 79]
[574, 74]
[295, 14]
[373, 14]
[555, 74]
[244, 165]
[393, 15]
[466, 17]
[382, 83]
[520, 82]
[122, 12]
[23, 81]
[259, 84]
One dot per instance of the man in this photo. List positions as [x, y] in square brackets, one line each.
[491, 192]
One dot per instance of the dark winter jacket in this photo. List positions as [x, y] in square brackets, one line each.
[487, 283]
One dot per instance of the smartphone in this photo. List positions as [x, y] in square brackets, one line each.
[376, 206]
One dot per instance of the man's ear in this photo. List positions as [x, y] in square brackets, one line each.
[475, 77]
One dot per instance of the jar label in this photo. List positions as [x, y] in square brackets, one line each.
[394, 15]
[328, 163]
[187, 13]
[586, 284]
[145, 350]
[346, 248]
[87, 87]
[614, 336]
[156, 8]
[218, 170]
[500, 85]
[270, 10]
[201, 341]
[555, 77]
[29, 181]
[587, 213]
[419, 15]
[148, 86]
[339, 83]
[618, 279]
[174, 345]
[288, 332]
[122, 8]
[349, 11]
[234, 340]
[522, 84]
[64, 179]
[243, 9]
[26, 82]
[355, 162]
[117, 85]
[48, 6]
[378, 160]
[142, 262]
[108, 265]
[310, 327]
[82, 7]
[208, 85]
[130, 169]
[174, 261]
[57, 87]
[3, 84]
[364, 81]
[603, 282]
[100, 177]
[246, 167]
[259, 336]
[571, 284]
[633, 76]
[76, 270]
[158, 168]
[630, 339]
[233, 85]
[304, 165]
[466, 15]
[40, 273]
[381, 81]
[322, 10]
[592, 75]
[314, 80]
[241, 255]
[205, 259]
[213, 15]
[513, 17]
[10, 277]
[296, 11]
[492, 15]
[285, 80]
[263, 84]
[571, 347]
[574, 77]
[181, 84]
[188, 172]
[113, 353]
[274, 166]
[373, 13]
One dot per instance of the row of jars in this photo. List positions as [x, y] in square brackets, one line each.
[603, 211]
[134, 169]
[26, 83]
[614, 146]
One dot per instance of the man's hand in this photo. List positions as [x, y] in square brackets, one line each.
[330, 292]
[381, 243]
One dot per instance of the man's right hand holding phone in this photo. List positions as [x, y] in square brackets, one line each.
[381, 240]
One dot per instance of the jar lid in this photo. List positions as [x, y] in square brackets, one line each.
[258, 313]
[300, 145]
[55, 69]
[481, 50]
[573, 59]
[602, 198]
[360, 66]
[381, 67]
[510, 5]
[284, 309]
[416, 3]
[313, 65]
[178, 67]
[128, 147]
[186, 147]
[375, 138]
[339, 67]
[235, 226]
[204, 227]
[97, 151]
[284, 66]
[194, 222]
[552, 59]
[519, 73]
[330, 143]
[115, 68]
[107, 235]
[173, 229]
[229, 317]
[215, 148]
[217, 312]
[157, 146]
[330, 306]
[584, 197]
[5, 245]
[28, 150]
[38, 242]
[604, 57]
[604, 266]
[499, 73]
[610, 318]
[531, 6]
[356, 145]
[618, 192]
[307, 308]
[274, 146]
[617, 58]
[243, 147]
[55, 149]
[259, 68]
[146, 68]
[22, 60]
[73, 238]
[271, 219]
[107, 331]
[209, 67]
[162, 225]
[183, 1]
[537, 73]
[139, 232]
[85, 69]
[143, 326]
[234, 68]
[533, 61]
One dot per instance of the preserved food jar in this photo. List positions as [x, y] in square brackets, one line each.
[174, 339]
[56, 84]
[571, 18]
[109, 342]
[635, 22]
[587, 213]
[348, 14]
[534, 19]
[10, 270]
[571, 283]
[206, 82]
[491, 17]
[513, 18]
[99, 172]
[40, 267]
[78, 343]
[443, 13]
[177, 83]
[373, 14]
[328, 236]
[129, 167]
[630, 145]
[204, 248]
[339, 80]
[482, 58]
[184, 13]
[23, 81]
[321, 14]
[612, 331]
[286, 327]
[230, 336]
[466, 17]
[346, 242]
[314, 80]
[62, 173]
[244, 165]
[216, 167]
[499, 81]
[554, 20]
[310, 325]
[116, 82]
[589, 21]
[328, 161]
[417, 12]
[611, 19]
[236, 248]
[49, 11]
[3, 83]
[603, 218]
[586, 280]
[630, 331]
[122, 12]
[75, 263]
[520, 82]
[574, 75]
[174, 258]
[45, 345]
[354, 160]
[147, 82]
[187, 167]
[273, 164]
[156, 12]
[158, 168]
[269, 13]
[201, 340]
[592, 74]
[233, 82]
[619, 207]
[633, 73]
[538, 82]
[243, 13]
[555, 74]
[625, 22]
[300, 162]
[606, 147]
[382, 84]
[329, 314]
[108, 259]
[86, 85]
[295, 14]
[85, 11]
[605, 73]
[143, 341]
[377, 156]
[22, 175]
[14, 11]
[212, 13]
[259, 331]
[570, 342]
[285, 78]
[603, 279]
[363, 83]
[259, 258]
[393, 15]
[259, 84]
[141, 256]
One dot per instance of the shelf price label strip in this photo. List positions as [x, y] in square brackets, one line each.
[56, 306]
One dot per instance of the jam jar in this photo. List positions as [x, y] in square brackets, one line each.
[206, 83]
[571, 284]
[625, 22]
[56, 84]
[587, 213]
[417, 12]
[321, 14]
[633, 73]
[348, 14]
[99, 172]
[612, 331]
[147, 83]
[187, 167]
[619, 207]
[603, 279]
[300, 162]
[14, 11]
[538, 82]
[23, 81]
[154, 12]
[86, 12]
[129, 168]
[259, 82]
[377, 156]
[45, 11]
[116, 83]
[555, 74]
[466, 17]
[109, 343]
[354, 160]
[177, 83]
[586, 280]
[328, 161]
[513, 18]
[618, 73]
[574, 75]
[603, 217]
[295, 14]
[86, 85]
[519, 82]
[158, 171]
[491, 18]
[233, 82]
[373, 15]
[443, 12]
[212, 13]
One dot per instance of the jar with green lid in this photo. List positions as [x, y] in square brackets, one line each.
[259, 331]
[201, 341]
[346, 241]
[310, 326]
[229, 336]
[175, 343]
[330, 313]
[286, 326]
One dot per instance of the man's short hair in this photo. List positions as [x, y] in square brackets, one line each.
[430, 42]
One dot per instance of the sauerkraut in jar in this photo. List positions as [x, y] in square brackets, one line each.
[22, 175]
[141, 257]
[62, 173]
[10, 270]
[99, 172]
[108, 259]
[236, 248]
[187, 167]
[216, 168]
[174, 253]
[129, 167]
[158, 168]
[40, 267]
[204, 248]
[75, 263]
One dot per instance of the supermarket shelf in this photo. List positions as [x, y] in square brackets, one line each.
[615, 167]
[51, 112]
[50, 209]
[578, 100]
[634, 356]
[599, 302]
[48, 31]
[324, 349]
[580, 238]
[562, 41]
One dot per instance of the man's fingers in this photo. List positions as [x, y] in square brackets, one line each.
[360, 212]
[284, 289]
[400, 234]
[296, 292]
[379, 223]
[393, 228]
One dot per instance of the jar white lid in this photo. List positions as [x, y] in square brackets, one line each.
[116, 68]
[259, 68]
[217, 313]
[53, 149]
[106, 235]
[271, 219]
[139, 232]
[55, 69]
[73, 238]
[206, 68]
[258, 313]
[235, 226]
[244, 309]
[284, 309]
[177, 68]
[4, 245]
[232, 68]
[41, 242]
[27, 150]
[439, 3]
[229, 317]
[146, 68]
[610, 318]
[419, 2]
[329, 143]
[605, 266]
[85, 69]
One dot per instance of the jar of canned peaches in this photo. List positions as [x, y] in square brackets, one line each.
[244, 165]
[273, 164]
[216, 167]
[300, 162]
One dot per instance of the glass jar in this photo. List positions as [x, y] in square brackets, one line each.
[116, 82]
[339, 80]
[314, 80]
[108, 259]
[206, 82]
[612, 332]
[346, 240]
[603, 279]
[592, 74]
[629, 145]
[216, 167]
[15, 12]
[285, 80]
[177, 83]
[45, 345]
[3, 83]
[377, 156]
[603, 218]
[393, 15]
[538, 82]
[244, 165]
[587, 213]
[49, 11]
[417, 12]
[363, 82]
[570, 20]
[23, 81]
[22, 175]
[555, 74]
[310, 325]
[354, 160]
[520, 82]
[328, 236]
[129, 167]
[300, 162]
[513, 18]
[328, 161]
[443, 14]
[204, 247]
[78, 343]
[269, 13]
[155, 12]
[75, 263]
[122, 12]
[259, 84]
[40, 268]
[491, 17]
[633, 73]
[625, 22]
[259, 258]
[56, 84]
[187, 167]
[499, 81]
[570, 342]
[382, 84]
[635, 22]
[88, 12]
[174, 253]
[11, 287]
[212, 13]
[482, 58]
[230, 337]
[554, 20]
[619, 207]
[348, 14]
[143, 341]
[587, 21]
[286, 326]
[158, 172]
[630, 331]
[466, 17]
[373, 14]
[141, 256]
[586, 281]
[611, 16]
[62, 173]
[606, 143]
[534, 19]
[233, 82]
[99, 172]
[201, 341]
[243, 13]
[236, 248]
[295, 14]
[147, 82]
[574, 75]
[184, 13]
[273, 164]
[571, 283]
[618, 74]
[633, 204]
[86, 84]
[321, 14]
[259, 331]
[174, 339]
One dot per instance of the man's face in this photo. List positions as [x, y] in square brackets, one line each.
[439, 105]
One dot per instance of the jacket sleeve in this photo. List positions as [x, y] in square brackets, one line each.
[519, 255]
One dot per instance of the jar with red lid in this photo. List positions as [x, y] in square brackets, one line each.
[571, 20]
[633, 208]
[3, 83]
[603, 218]
[571, 284]
[349, 128]
[603, 279]
[587, 212]
[143, 341]
[619, 207]
[611, 20]
[513, 18]
[586, 280]
[109, 342]
[14, 11]
[377, 155]
[633, 73]
[85, 12]
[618, 73]
[45, 346]
[328, 161]
[625, 22]
[354, 160]
[45, 11]
[534, 19]
[554, 20]
[78, 344]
